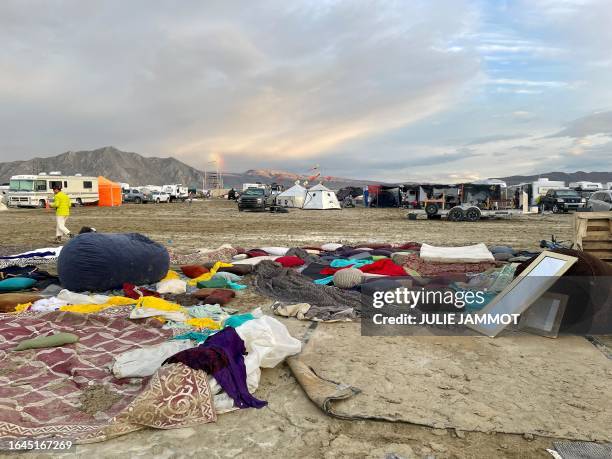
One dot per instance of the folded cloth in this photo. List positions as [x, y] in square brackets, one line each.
[256, 253]
[48, 304]
[467, 254]
[211, 311]
[143, 313]
[227, 276]
[79, 298]
[278, 251]
[193, 271]
[134, 292]
[207, 276]
[238, 320]
[213, 283]
[254, 260]
[290, 261]
[385, 267]
[221, 296]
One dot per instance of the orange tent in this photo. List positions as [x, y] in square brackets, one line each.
[110, 193]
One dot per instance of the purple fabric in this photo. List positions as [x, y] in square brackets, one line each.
[232, 378]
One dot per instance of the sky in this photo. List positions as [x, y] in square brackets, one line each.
[387, 90]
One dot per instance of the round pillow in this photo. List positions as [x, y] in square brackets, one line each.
[14, 284]
[98, 262]
[348, 278]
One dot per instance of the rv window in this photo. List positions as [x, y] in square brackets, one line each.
[87, 185]
[55, 184]
[65, 184]
[41, 185]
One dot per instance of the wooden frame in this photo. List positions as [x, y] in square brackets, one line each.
[522, 293]
[544, 316]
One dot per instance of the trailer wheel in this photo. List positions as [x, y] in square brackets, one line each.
[472, 214]
[431, 209]
[456, 214]
[79, 202]
[42, 203]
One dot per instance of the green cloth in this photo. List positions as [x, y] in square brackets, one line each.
[40, 342]
[238, 320]
[213, 283]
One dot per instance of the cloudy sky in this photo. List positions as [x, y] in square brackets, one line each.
[396, 90]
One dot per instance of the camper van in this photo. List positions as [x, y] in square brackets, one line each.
[177, 192]
[37, 190]
[586, 186]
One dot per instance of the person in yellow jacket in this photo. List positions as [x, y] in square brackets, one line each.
[61, 204]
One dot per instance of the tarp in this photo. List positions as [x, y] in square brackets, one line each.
[110, 193]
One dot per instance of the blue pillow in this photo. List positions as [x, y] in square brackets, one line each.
[14, 284]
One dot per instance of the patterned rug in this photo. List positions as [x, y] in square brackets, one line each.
[69, 392]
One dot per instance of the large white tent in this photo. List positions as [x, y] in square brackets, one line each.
[293, 197]
[320, 197]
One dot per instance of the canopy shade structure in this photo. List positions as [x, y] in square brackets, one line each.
[110, 193]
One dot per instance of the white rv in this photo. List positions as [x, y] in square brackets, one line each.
[586, 186]
[177, 192]
[37, 190]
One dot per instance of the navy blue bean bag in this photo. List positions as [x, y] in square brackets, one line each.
[97, 262]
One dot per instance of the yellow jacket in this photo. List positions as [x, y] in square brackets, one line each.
[62, 204]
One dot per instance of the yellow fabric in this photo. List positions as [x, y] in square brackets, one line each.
[204, 322]
[92, 308]
[158, 303]
[22, 307]
[61, 203]
[171, 275]
[209, 275]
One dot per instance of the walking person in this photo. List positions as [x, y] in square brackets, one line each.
[61, 203]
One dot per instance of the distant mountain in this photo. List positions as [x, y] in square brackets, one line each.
[137, 170]
[566, 177]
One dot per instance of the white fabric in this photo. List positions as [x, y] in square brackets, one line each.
[253, 261]
[144, 361]
[79, 298]
[175, 286]
[278, 251]
[47, 304]
[467, 254]
[60, 226]
[331, 247]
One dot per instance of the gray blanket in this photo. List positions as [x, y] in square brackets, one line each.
[327, 303]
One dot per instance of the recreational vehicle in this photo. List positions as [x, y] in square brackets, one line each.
[37, 190]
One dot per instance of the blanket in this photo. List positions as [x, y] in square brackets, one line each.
[70, 392]
[468, 254]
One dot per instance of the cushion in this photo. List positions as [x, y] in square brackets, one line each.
[59, 339]
[256, 253]
[278, 251]
[8, 301]
[348, 278]
[98, 262]
[193, 271]
[213, 283]
[331, 247]
[220, 296]
[14, 284]
[206, 292]
[240, 269]
[290, 261]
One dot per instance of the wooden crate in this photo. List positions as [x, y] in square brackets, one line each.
[593, 234]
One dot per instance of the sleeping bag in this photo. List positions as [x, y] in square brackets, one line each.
[98, 262]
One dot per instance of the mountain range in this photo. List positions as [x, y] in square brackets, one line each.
[135, 169]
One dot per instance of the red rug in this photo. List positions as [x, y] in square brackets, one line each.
[69, 392]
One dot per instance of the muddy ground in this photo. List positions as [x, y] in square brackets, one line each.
[291, 426]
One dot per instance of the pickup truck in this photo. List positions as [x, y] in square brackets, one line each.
[256, 199]
[137, 196]
[562, 200]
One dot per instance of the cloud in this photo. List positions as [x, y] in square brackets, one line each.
[293, 79]
[597, 123]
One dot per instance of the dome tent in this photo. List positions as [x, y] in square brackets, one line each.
[293, 197]
[320, 197]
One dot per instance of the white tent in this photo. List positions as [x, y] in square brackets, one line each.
[293, 197]
[320, 197]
